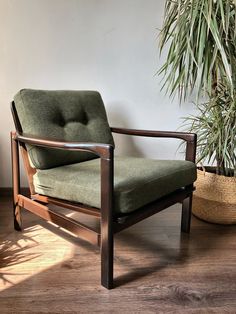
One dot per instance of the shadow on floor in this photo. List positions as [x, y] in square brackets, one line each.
[13, 252]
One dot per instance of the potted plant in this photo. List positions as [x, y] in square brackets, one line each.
[200, 37]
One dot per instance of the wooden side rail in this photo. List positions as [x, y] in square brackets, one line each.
[81, 208]
[77, 228]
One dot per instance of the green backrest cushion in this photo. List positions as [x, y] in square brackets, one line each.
[63, 115]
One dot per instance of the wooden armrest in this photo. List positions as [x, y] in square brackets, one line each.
[190, 138]
[150, 133]
[105, 151]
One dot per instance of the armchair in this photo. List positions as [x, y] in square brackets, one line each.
[68, 153]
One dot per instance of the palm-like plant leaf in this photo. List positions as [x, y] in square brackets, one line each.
[216, 129]
[201, 36]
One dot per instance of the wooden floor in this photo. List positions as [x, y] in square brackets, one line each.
[46, 270]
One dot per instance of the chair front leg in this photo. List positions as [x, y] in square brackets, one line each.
[107, 252]
[186, 214]
[107, 232]
[15, 182]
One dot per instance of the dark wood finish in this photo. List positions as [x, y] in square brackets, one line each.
[101, 150]
[189, 138]
[186, 214]
[107, 241]
[81, 208]
[109, 224]
[69, 224]
[150, 133]
[15, 181]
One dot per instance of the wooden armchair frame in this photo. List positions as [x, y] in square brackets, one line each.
[110, 223]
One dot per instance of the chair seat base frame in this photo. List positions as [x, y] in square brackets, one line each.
[39, 205]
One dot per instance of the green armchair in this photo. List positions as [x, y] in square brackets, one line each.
[68, 153]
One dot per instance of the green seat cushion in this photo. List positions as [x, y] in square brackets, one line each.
[137, 181]
[77, 116]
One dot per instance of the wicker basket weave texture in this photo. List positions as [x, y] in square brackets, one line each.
[216, 188]
[215, 198]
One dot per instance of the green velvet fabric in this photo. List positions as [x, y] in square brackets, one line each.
[137, 181]
[63, 115]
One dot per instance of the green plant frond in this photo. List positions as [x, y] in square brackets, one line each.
[196, 29]
[201, 36]
[215, 33]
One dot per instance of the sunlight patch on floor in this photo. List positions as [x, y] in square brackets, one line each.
[24, 254]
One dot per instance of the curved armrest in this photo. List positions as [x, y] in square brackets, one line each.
[104, 151]
[150, 133]
[190, 138]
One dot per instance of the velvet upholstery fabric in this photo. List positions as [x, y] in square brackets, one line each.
[137, 181]
[63, 115]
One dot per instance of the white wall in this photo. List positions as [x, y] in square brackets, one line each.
[107, 45]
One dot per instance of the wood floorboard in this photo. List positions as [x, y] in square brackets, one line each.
[157, 269]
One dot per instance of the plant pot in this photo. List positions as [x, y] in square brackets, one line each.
[215, 198]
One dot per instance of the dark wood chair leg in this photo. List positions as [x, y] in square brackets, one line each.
[107, 232]
[107, 251]
[186, 214]
[15, 182]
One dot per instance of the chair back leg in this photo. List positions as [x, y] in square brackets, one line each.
[186, 214]
[15, 182]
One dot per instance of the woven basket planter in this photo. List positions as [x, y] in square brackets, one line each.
[215, 198]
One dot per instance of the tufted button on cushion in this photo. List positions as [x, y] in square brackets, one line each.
[64, 115]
